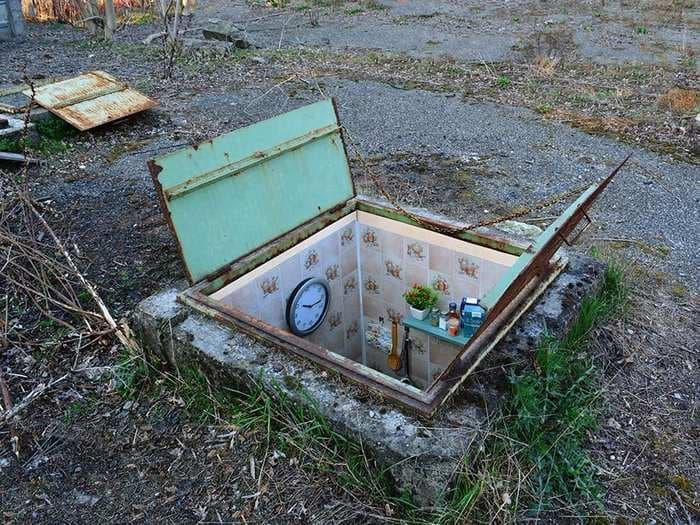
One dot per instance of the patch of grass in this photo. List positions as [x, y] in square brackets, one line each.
[640, 30]
[537, 447]
[141, 18]
[688, 62]
[503, 81]
[678, 290]
[54, 128]
[76, 410]
[297, 429]
[132, 375]
[11, 145]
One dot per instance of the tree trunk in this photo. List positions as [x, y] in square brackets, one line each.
[110, 19]
[89, 11]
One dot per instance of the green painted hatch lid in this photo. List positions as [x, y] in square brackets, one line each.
[228, 196]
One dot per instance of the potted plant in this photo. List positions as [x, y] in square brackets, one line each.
[421, 299]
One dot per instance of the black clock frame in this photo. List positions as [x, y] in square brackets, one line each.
[294, 299]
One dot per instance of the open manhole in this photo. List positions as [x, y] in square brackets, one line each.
[276, 242]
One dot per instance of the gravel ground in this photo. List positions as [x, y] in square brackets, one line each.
[474, 31]
[440, 149]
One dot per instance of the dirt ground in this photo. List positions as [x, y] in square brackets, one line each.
[463, 108]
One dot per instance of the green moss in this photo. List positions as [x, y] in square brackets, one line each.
[11, 145]
[682, 483]
[141, 18]
[679, 290]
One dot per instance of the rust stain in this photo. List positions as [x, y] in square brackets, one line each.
[91, 99]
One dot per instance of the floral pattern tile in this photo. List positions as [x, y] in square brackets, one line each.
[441, 284]
[393, 269]
[371, 286]
[395, 316]
[269, 285]
[312, 259]
[347, 236]
[416, 252]
[332, 272]
[467, 267]
[350, 284]
[352, 329]
[370, 238]
[334, 320]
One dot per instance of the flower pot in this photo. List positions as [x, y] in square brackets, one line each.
[419, 314]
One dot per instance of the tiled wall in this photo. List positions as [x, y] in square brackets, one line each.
[393, 257]
[332, 255]
[366, 297]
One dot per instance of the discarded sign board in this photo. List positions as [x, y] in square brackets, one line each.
[91, 99]
[268, 211]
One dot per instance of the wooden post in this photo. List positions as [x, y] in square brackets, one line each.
[110, 19]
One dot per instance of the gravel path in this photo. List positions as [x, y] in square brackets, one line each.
[472, 31]
[650, 213]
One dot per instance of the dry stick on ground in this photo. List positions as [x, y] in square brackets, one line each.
[123, 332]
[7, 415]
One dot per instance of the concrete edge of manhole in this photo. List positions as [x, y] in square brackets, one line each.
[422, 456]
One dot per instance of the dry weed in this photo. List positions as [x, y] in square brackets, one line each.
[545, 66]
[680, 100]
[591, 124]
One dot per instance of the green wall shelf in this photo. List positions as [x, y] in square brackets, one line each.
[425, 326]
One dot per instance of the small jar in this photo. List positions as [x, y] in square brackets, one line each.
[453, 326]
[442, 324]
[435, 317]
[453, 311]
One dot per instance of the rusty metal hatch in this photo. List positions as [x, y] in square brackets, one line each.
[294, 169]
[91, 99]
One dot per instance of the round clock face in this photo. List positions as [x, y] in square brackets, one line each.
[307, 306]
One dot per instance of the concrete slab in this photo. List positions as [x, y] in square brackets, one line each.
[12, 127]
[422, 456]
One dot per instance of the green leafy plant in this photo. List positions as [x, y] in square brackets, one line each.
[503, 81]
[421, 297]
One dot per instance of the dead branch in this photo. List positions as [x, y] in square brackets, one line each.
[40, 389]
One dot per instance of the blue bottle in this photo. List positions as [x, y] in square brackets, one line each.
[472, 316]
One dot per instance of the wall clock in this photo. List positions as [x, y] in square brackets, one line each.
[307, 306]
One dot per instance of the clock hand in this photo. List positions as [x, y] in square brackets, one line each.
[312, 305]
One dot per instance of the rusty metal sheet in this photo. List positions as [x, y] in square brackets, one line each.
[91, 99]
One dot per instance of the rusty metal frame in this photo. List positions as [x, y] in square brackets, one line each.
[424, 403]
